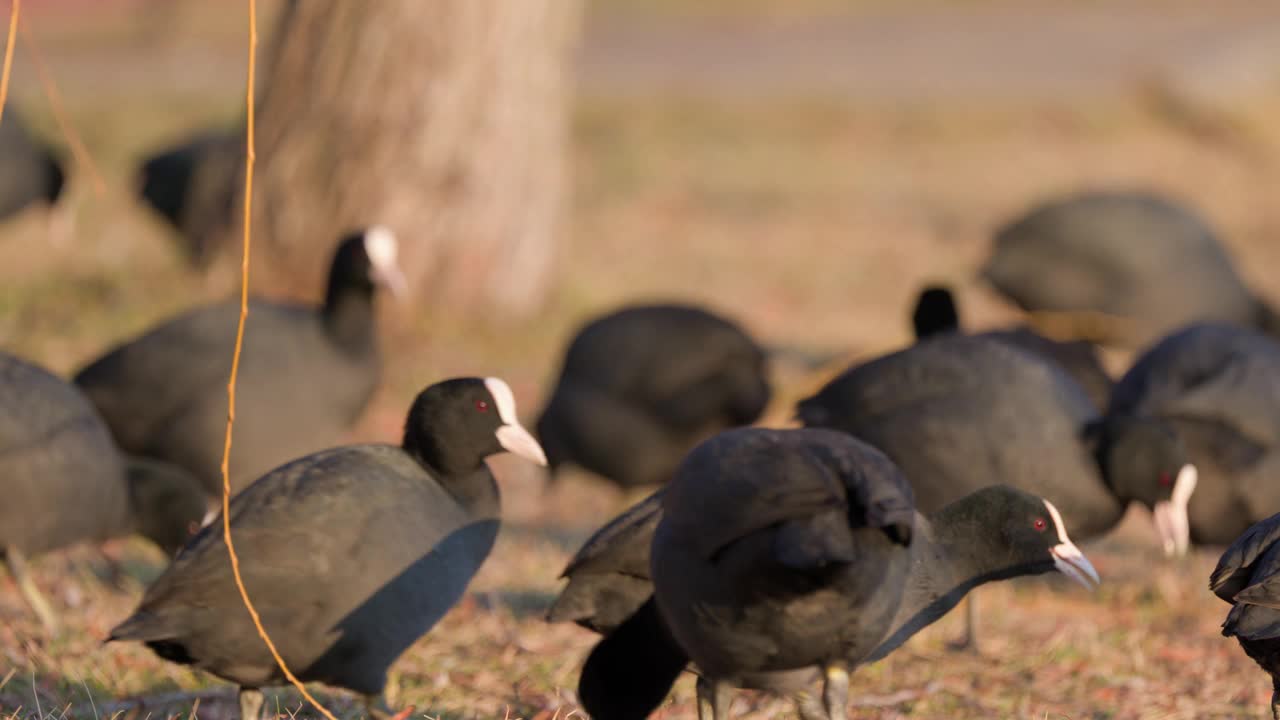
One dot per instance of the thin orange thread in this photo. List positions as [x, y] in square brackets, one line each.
[235, 369]
[60, 116]
[8, 55]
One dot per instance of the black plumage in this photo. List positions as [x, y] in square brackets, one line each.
[641, 386]
[960, 412]
[767, 569]
[935, 313]
[192, 185]
[306, 373]
[1248, 577]
[350, 554]
[1218, 387]
[65, 482]
[1129, 255]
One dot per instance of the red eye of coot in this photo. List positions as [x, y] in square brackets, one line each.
[1165, 480]
[482, 406]
[1040, 524]
[193, 527]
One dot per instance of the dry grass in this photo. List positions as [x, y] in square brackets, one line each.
[811, 220]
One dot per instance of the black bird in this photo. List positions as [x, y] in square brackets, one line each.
[935, 313]
[31, 173]
[65, 482]
[1218, 387]
[641, 386]
[784, 550]
[350, 554]
[306, 373]
[959, 412]
[1143, 263]
[192, 185]
[1248, 577]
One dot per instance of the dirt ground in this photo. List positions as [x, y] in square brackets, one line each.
[802, 167]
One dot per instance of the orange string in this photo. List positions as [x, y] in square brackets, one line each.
[78, 148]
[8, 55]
[235, 368]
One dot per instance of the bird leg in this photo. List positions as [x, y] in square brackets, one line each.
[713, 700]
[835, 691]
[18, 569]
[969, 641]
[375, 706]
[250, 703]
[808, 707]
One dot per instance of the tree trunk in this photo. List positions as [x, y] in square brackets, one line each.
[445, 121]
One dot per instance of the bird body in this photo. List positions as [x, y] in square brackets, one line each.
[1248, 577]
[1132, 255]
[639, 387]
[305, 374]
[350, 554]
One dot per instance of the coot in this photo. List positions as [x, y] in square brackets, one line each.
[350, 554]
[641, 386]
[306, 373]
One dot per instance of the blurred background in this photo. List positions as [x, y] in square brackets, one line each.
[802, 166]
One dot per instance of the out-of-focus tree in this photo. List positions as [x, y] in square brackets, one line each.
[446, 121]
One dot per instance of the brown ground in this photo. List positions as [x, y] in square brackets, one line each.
[875, 149]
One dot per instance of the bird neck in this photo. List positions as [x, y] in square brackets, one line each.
[953, 551]
[349, 318]
[462, 472]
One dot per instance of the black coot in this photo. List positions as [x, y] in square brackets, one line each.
[1248, 577]
[958, 413]
[641, 386]
[1218, 387]
[762, 565]
[64, 482]
[192, 185]
[935, 312]
[1141, 262]
[306, 374]
[350, 554]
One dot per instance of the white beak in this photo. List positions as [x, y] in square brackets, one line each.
[1067, 558]
[1170, 516]
[1072, 563]
[515, 439]
[381, 247]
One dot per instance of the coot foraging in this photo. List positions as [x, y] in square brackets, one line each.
[306, 373]
[65, 482]
[641, 386]
[1218, 387]
[1139, 263]
[780, 552]
[935, 313]
[350, 554]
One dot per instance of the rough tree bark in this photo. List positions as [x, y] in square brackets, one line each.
[446, 121]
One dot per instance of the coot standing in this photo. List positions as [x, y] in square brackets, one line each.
[350, 554]
[306, 373]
